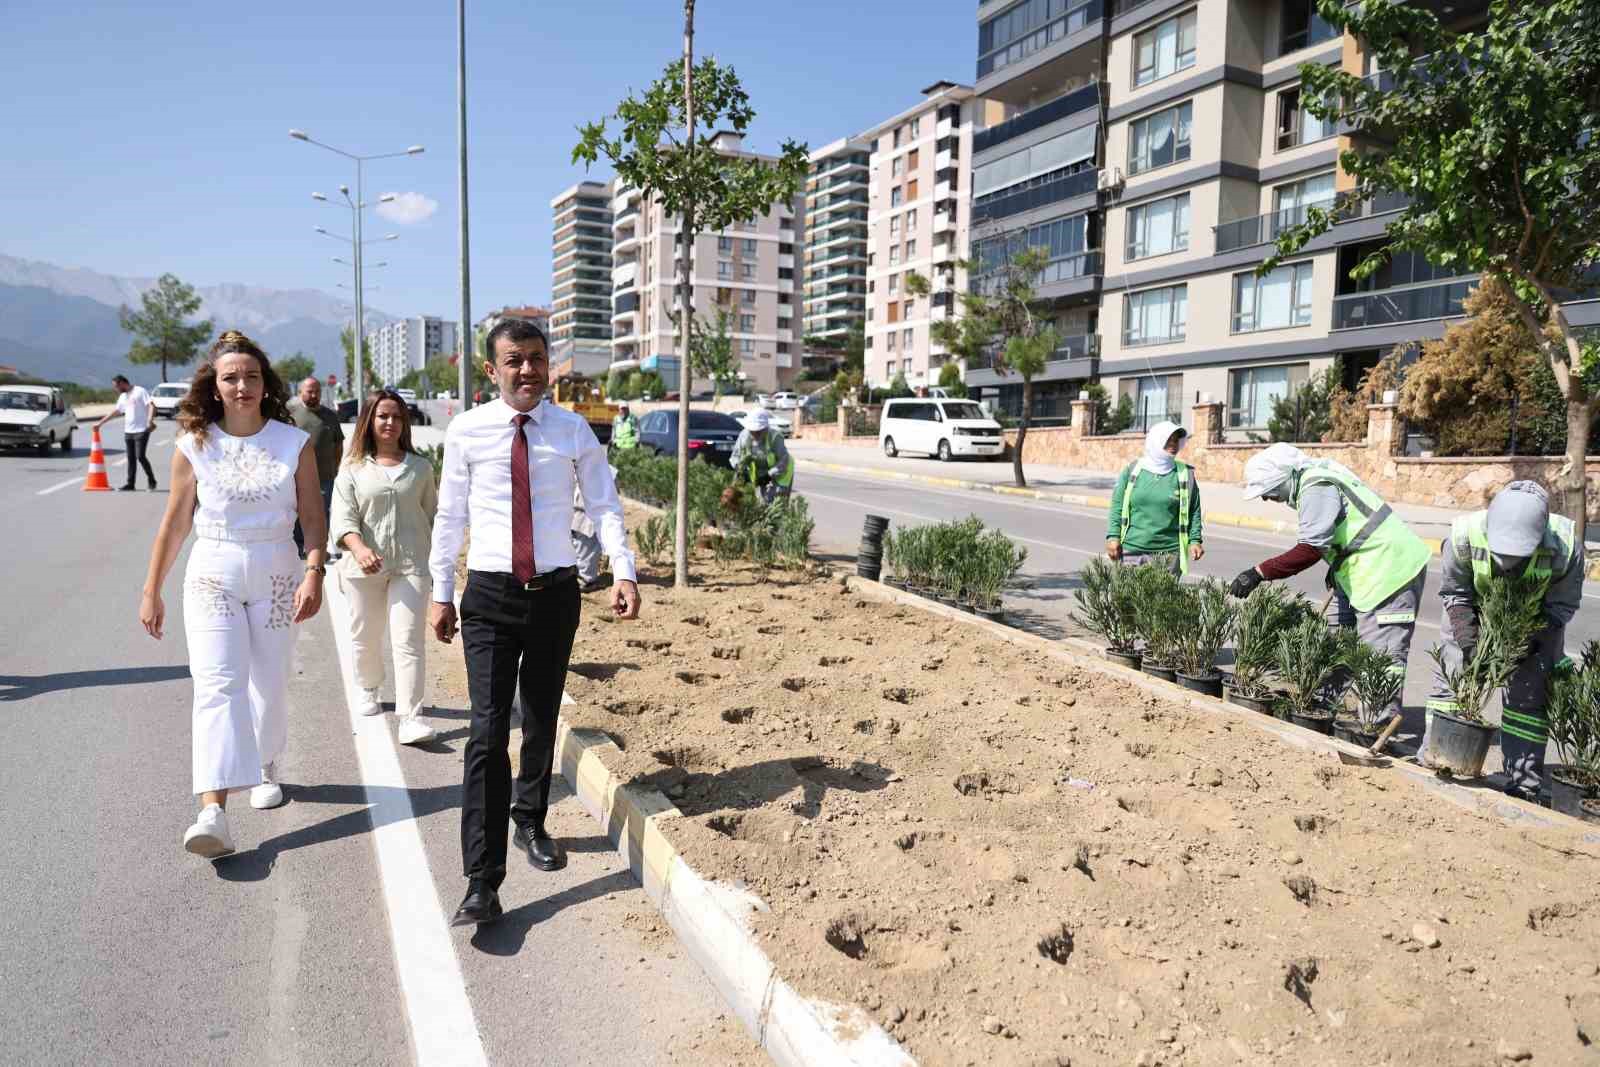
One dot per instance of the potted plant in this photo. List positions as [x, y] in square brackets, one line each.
[1573, 714]
[1158, 618]
[1210, 618]
[998, 561]
[1267, 612]
[1308, 658]
[1106, 607]
[1511, 613]
[911, 550]
[896, 578]
[1376, 684]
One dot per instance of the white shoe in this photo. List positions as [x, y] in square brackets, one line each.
[368, 702]
[269, 794]
[209, 836]
[416, 732]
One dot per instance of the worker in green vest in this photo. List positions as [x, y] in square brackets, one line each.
[1376, 565]
[624, 429]
[759, 457]
[1155, 508]
[1515, 534]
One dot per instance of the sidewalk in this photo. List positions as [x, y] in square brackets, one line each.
[1221, 503]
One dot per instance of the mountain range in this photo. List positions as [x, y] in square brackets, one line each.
[61, 323]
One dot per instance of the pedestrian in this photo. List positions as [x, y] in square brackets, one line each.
[1376, 565]
[1515, 534]
[509, 470]
[760, 457]
[1155, 508]
[241, 473]
[624, 429]
[138, 422]
[327, 442]
[384, 501]
[586, 541]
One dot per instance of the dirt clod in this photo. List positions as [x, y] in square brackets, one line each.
[1310, 824]
[1056, 946]
[794, 685]
[1298, 976]
[833, 661]
[1140, 749]
[848, 934]
[727, 651]
[737, 715]
[1303, 888]
[900, 694]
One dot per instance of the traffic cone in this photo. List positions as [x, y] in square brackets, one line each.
[97, 482]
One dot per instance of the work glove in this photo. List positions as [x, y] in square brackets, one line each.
[1245, 583]
[762, 478]
[1464, 628]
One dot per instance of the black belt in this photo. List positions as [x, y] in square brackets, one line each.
[547, 580]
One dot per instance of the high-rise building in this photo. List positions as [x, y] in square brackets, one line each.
[917, 222]
[835, 263]
[580, 307]
[539, 316]
[410, 344]
[748, 271]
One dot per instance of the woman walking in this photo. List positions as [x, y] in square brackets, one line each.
[1155, 508]
[383, 505]
[241, 474]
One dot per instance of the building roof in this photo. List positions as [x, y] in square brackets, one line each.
[938, 93]
[600, 190]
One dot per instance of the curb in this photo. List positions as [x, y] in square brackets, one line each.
[1080, 653]
[1221, 518]
[712, 921]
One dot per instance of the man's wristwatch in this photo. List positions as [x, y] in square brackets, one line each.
[320, 568]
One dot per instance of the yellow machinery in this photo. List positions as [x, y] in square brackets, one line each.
[585, 396]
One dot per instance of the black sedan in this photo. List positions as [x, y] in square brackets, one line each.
[711, 435]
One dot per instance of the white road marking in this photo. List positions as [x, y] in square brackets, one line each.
[443, 1029]
[934, 518]
[121, 462]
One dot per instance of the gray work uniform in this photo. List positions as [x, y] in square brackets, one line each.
[585, 541]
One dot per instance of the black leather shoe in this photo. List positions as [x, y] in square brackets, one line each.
[544, 851]
[126, 489]
[152, 487]
[480, 906]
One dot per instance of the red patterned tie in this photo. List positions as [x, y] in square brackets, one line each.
[521, 507]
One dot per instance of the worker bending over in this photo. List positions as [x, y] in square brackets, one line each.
[759, 456]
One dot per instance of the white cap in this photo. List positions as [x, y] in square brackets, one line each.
[756, 421]
[1519, 514]
[1270, 468]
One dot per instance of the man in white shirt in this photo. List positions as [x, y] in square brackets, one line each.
[138, 415]
[511, 468]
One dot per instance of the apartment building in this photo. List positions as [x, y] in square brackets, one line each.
[835, 264]
[580, 304]
[749, 271]
[406, 345]
[917, 222]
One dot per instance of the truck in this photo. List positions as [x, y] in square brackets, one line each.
[35, 416]
[586, 396]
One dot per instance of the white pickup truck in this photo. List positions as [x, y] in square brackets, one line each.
[35, 416]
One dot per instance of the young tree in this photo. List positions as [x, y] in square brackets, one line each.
[661, 152]
[1307, 413]
[950, 380]
[1492, 135]
[368, 375]
[711, 350]
[295, 369]
[161, 331]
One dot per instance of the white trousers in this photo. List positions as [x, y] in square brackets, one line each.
[393, 606]
[238, 612]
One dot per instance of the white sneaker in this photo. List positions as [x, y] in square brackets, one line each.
[368, 703]
[416, 732]
[209, 836]
[269, 794]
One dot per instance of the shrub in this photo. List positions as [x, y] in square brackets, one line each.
[654, 537]
[1511, 613]
[1106, 603]
[1308, 660]
[1307, 413]
[1374, 681]
[1268, 612]
[1158, 611]
[1574, 716]
[1211, 618]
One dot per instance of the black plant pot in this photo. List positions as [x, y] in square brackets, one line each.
[893, 583]
[1457, 746]
[869, 573]
[1209, 684]
[1589, 810]
[993, 614]
[1261, 704]
[1156, 670]
[948, 601]
[1125, 659]
[1567, 791]
[1352, 731]
[1320, 721]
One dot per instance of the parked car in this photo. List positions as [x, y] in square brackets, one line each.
[166, 397]
[782, 423]
[782, 401]
[711, 435]
[410, 395]
[35, 416]
[943, 428]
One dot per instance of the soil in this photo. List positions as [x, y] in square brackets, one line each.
[1009, 859]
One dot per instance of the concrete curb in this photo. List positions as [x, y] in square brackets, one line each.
[712, 921]
[1080, 653]
[1221, 518]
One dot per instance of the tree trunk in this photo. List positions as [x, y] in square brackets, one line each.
[1022, 432]
[680, 549]
[1572, 481]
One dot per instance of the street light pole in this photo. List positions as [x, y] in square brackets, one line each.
[468, 342]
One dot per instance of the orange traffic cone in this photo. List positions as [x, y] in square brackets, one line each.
[97, 481]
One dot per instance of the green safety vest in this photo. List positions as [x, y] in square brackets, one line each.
[763, 453]
[1374, 554]
[1183, 509]
[624, 431]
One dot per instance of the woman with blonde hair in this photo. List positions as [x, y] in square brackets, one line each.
[383, 504]
[241, 474]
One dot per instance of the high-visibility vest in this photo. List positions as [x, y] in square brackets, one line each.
[1183, 509]
[624, 431]
[763, 457]
[1374, 554]
[1471, 536]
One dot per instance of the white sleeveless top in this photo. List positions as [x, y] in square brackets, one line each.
[245, 487]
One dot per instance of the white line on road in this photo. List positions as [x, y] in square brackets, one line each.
[122, 462]
[935, 518]
[443, 1029]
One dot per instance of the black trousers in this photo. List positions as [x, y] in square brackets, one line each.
[513, 639]
[138, 446]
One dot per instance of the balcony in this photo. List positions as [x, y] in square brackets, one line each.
[1074, 19]
[1413, 303]
[1064, 269]
[624, 305]
[1043, 115]
[1002, 205]
[945, 128]
[1261, 229]
[944, 220]
[1074, 346]
[945, 159]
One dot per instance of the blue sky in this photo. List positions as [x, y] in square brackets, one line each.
[152, 137]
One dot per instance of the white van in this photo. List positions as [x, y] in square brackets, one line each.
[935, 427]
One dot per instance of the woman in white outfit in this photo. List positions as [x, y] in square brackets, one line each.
[241, 474]
[383, 505]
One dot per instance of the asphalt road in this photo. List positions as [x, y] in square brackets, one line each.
[118, 946]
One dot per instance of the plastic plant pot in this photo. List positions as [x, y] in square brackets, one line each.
[1123, 657]
[1262, 704]
[1351, 730]
[1209, 684]
[1156, 670]
[1320, 721]
[1589, 810]
[1457, 747]
[1567, 791]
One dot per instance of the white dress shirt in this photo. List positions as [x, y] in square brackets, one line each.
[136, 406]
[475, 491]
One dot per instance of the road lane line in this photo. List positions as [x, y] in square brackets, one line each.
[444, 1032]
[78, 480]
[931, 518]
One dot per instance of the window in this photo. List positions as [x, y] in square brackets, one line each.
[1164, 49]
[1154, 398]
[909, 307]
[896, 169]
[894, 231]
[1160, 139]
[905, 367]
[899, 135]
[747, 323]
[888, 368]
[1159, 227]
[1296, 125]
[749, 246]
[746, 346]
[1302, 27]
[894, 311]
[724, 270]
[894, 283]
[911, 253]
[894, 257]
[1155, 316]
[747, 271]
[911, 220]
[747, 297]
[783, 324]
[916, 126]
[911, 189]
[1252, 391]
[1280, 299]
[906, 336]
[725, 245]
[1289, 202]
[896, 196]
[889, 343]
[912, 157]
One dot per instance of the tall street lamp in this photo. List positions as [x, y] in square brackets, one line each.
[356, 203]
[469, 345]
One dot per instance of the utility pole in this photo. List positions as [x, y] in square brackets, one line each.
[469, 345]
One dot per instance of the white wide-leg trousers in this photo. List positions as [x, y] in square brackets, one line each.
[396, 606]
[238, 609]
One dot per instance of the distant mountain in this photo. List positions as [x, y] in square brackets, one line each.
[61, 322]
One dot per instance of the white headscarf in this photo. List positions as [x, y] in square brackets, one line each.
[1156, 459]
[756, 421]
[1270, 468]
